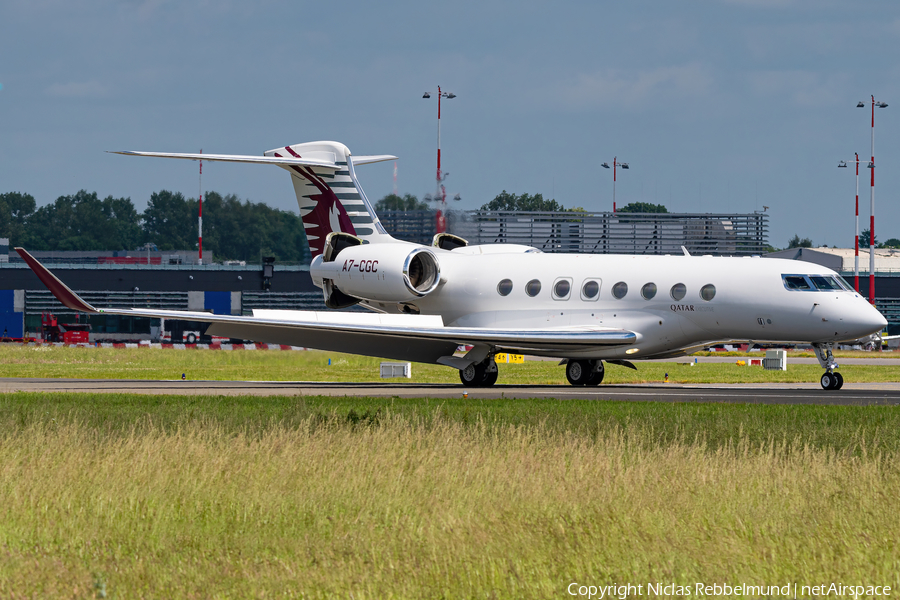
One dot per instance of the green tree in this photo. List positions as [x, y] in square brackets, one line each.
[643, 207]
[864, 238]
[235, 230]
[15, 209]
[84, 222]
[796, 242]
[170, 221]
[395, 202]
[522, 202]
[891, 243]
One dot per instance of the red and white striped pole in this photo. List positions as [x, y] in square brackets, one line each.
[872, 215]
[614, 182]
[200, 216]
[440, 225]
[856, 239]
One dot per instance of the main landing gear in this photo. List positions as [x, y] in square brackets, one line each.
[831, 380]
[483, 374]
[585, 372]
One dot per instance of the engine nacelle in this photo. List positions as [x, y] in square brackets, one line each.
[382, 272]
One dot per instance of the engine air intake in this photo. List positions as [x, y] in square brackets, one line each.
[421, 273]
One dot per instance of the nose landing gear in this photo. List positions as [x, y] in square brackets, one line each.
[831, 380]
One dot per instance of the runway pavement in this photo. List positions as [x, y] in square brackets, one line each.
[861, 394]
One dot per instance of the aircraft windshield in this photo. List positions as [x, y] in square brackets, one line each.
[810, 283]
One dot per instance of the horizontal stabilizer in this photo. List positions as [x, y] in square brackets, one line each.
[266, 160]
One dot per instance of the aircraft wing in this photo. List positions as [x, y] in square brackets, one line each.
[420, 338]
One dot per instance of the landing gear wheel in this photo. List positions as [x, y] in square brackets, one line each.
[597, 376]
[831, 381]
[483, 374]
[579, 372]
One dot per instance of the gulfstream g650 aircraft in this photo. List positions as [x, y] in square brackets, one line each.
[426, 301]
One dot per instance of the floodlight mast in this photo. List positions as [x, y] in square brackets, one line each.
[872, 202]
[441, 195]
[616, 165]
[843, 164]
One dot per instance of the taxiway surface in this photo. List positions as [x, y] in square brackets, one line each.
[862, 394]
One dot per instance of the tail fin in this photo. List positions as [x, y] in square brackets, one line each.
[330, 198]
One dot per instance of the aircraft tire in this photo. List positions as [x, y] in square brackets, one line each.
[829, 381]
[839, 381]
[578, 372]
[479, 375]
[472, 375]
[597, 376]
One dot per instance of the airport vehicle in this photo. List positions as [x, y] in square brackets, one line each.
[587, 310]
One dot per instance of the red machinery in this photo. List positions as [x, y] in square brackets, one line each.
[68, 333]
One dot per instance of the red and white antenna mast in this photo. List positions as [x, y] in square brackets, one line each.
[872, 202]
[200, 216]
[395, 177]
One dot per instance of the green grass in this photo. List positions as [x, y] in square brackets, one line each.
[145, 363]
[154, 496]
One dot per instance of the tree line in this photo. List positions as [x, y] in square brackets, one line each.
[232, 229]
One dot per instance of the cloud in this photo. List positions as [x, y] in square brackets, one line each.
[78, 89]
[805, 88]
[616, 87]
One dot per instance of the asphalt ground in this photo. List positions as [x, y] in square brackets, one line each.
[853, 394]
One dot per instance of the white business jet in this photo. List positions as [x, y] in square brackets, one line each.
[586, 309]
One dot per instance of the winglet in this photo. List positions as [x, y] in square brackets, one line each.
[57, 287]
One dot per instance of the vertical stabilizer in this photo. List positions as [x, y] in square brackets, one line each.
[330, 198]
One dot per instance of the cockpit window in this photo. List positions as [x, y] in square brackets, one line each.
[809, 283]
[825, 283]
[796, 282]
[845, 284]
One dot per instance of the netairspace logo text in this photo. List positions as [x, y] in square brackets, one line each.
[791, 590]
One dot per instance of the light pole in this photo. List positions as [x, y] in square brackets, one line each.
[441, 192]
[872, 202]
[843, 164]
[616, 165]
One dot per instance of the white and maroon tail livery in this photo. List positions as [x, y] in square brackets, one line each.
[330, 198]
[329, 195]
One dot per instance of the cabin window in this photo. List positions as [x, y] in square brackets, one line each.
[620, 289]
[708, 292]
[648, 291]
[533, 288]
[590, 290]
[562, 288]
[678, 291]
[505, 287]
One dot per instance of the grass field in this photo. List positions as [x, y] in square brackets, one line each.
[138, 496]
[152, 496]
[145, 363]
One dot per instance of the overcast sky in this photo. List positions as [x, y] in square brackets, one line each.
[717, 105]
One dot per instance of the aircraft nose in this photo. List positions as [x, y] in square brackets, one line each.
[870, 320]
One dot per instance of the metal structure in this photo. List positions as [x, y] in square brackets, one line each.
[872, 202]
[441, 192]
[618, 233]
[616, 165]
